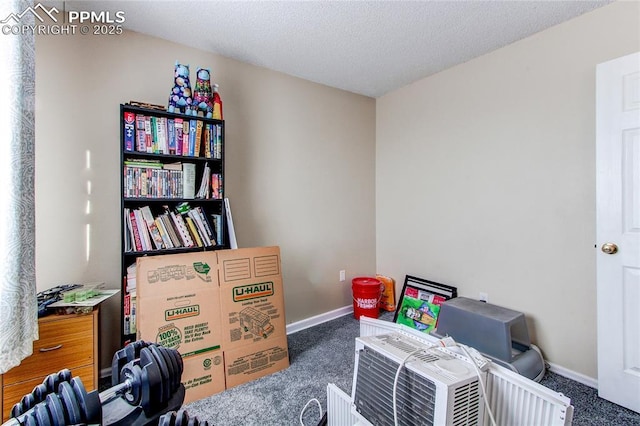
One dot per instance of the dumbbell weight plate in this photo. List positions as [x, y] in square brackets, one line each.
[182, 418]
[170, 367]
[89, 403]
[17, 409]
[27, 402]
[168, 419]
[64, 375]
[42, 415]
[164, 372]
[151, 383]
[51, 382]
[68, 397]
[40, 392]
[178, 361]
[56, 410]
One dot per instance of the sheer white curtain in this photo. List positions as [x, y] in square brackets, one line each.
[18, 309]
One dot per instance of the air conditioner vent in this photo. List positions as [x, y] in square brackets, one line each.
[433, 387]
[466, 403]
[374, 392]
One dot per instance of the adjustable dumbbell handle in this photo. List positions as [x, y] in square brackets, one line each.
[114, 392]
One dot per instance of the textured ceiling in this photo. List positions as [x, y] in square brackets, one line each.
[365, 47]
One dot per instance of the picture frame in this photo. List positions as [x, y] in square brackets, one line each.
[419, 303]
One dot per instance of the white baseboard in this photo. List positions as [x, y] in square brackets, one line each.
[573, 375]
[105, 372]
[319, 319]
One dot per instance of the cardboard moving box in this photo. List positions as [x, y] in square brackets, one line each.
[256, 360]
[222, 308]
[254, 330]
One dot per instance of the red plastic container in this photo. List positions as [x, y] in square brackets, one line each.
[367, 292]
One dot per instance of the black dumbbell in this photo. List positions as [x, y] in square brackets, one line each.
[181, 418]
[125, 355]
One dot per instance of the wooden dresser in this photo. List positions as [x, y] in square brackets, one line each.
[66, 341]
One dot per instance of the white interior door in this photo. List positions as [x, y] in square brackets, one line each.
[618, 229]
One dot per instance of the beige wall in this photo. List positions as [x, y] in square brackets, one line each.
[484, 173]
[300, 166]
[485, 178]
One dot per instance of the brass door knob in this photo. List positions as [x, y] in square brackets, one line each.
[609, 248]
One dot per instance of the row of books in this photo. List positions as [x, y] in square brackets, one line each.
[149, 179]
[185, 227]
[211, 185]
[174, 136]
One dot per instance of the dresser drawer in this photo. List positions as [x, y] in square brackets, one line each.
[65, 342]
[14, 393]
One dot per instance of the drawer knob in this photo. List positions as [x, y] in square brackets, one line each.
[53, 348]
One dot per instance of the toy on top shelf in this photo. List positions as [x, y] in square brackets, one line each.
[202, 94]
[217, 104]
[180, 97]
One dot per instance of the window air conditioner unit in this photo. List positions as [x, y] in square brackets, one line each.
[435, 386]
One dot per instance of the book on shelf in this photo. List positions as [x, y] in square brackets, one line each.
[141, 138]
[233, 243]
[126, 237]
[171, 230]
[179, 126]
[173, 166]
[135, 233]
[206, 139]
[185, 137]
[217, 224]
[209, 229]
[198, 144]
[216, 186]
[145, 238]
[148, 133]
[188, 180]
[202, 231]
[142, 164]
[129, 313]
[181, 226]
[155, 147]
[192, 138]
[131, 278]
[129, 130]
[171, 136]
[217, 142]
[193, 230]
[161, 125]
[203, 192]
[164, 233]
[153, 228]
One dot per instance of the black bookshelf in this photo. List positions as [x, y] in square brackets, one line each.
[141, 184]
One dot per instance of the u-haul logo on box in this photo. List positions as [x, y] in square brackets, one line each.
[252, 291]
[183, 312]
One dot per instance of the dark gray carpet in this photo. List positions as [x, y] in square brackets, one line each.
[325, 354]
